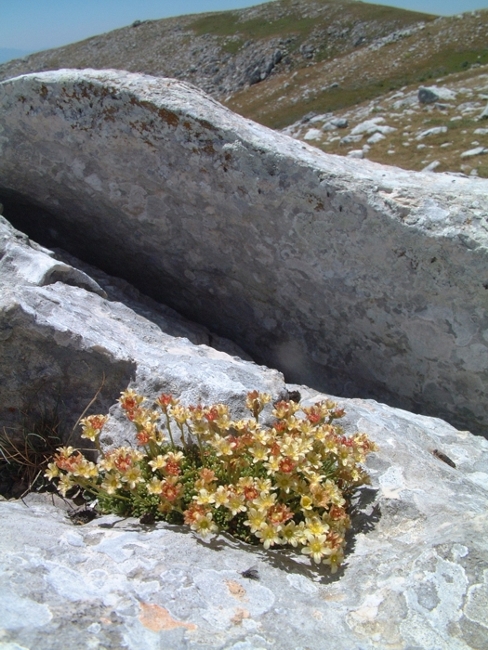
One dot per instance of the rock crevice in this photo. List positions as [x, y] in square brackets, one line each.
[355, 278]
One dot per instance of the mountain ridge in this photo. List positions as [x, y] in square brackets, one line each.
[280, 61]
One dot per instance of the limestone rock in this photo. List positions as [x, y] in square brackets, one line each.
[62, 340]
[436, 130]
[353, 277]
[476, 151]
[415, 574]
[433, 94]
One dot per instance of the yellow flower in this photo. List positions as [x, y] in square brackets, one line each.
[317, 547]
[315, 526]
[222, 446]
[285, 482]
[52, 471]
[269, 535]
[259, 452]
[204, 497]
[289, 534]
[157, 463]
[154, 486]
[86, 469]
[264, 501]
[204, 525]
[273, 464]
[263, 484]
[111, 483]
[65, 484]
[221, 496]
[306, 502]
[180, 413]
[334, 560]
[256, 519]
[133, 476]
[236, 503]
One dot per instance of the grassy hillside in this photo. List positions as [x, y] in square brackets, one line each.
[279, 61]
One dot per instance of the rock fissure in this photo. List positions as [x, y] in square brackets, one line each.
[313, 264]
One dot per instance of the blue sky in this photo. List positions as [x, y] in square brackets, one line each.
[32, 25]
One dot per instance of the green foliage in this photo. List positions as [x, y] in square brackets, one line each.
[288, 483]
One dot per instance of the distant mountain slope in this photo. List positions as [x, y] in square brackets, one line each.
[279, 61]
[225, 52]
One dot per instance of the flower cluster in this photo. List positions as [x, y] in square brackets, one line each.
[288, 483]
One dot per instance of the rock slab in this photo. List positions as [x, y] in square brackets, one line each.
[415, 575]
[355, 278]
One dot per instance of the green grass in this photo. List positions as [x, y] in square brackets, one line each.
[227, 23]
[220, 24]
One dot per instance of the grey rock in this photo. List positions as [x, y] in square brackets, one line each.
[415, 573]
[433, 94]
[336, 123]
[374, 125]
[67, 339]
[350, 276]
[307, 50]
[376, 137]
[431, 166]
[435, 130]
[476, 151]
[356, 153]
[484, 113]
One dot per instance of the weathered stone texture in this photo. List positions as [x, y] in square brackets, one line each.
[415, 575]
[346, 275]
[62, 341]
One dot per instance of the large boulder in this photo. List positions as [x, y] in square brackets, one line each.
[65, 340]
[355, 278]
[415, 572]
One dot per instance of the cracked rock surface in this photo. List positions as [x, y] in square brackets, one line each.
[356, 278]
[415, 573]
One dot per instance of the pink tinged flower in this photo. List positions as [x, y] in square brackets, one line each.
[92, 425]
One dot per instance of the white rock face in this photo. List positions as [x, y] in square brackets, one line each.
[436, 130]
[415, 573]
[66, 337]
[357, 278]
[477, 151]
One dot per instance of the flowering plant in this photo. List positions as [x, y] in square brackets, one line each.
[284, 484]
